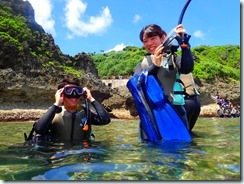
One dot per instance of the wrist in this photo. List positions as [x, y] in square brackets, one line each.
[57, 104]
[57, 108]
[91, 99]
[184, 46]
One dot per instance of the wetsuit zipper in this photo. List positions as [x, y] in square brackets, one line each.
[72, 128]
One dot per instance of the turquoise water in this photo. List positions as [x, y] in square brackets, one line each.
[117, 154]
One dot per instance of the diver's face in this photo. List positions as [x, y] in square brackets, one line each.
[151, 43]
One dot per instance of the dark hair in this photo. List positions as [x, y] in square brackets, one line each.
[66, 81]
[152, 30]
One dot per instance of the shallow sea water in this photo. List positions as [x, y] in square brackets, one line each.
[117, 154]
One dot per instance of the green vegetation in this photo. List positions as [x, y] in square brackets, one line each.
[70, 70]
[18, 40]
[217, 61]
[13, 28]
[25, 45]
[118, 63]
[210, 62]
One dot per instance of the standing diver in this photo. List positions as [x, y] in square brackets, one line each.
[164, 66]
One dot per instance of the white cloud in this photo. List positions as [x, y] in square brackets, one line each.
[74, 15]
[117, 48]
[43, 10]
[199, 34]
[136, 18]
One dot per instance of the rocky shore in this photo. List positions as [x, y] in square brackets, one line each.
[206, 111]
[18, 115]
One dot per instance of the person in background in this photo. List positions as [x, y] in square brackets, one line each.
[162, 65]
[64, 121]
[192, 101]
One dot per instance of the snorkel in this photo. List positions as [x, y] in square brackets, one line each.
[183, 12]
[169, 39]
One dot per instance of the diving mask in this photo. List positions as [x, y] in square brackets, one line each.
[73, 91]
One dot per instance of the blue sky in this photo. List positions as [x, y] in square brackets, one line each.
[104, 25]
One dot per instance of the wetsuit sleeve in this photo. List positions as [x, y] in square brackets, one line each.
[186, 63]
[101, 117]
[41, 126]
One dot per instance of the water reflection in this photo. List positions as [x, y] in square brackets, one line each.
[213, 154]
[78, 171]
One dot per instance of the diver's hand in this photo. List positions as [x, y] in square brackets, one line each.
[180, 30]
[158, 55]
[182, 37]
[88, 94]
[59, 97]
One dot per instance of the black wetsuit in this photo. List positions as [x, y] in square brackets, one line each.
[192, 101]
[193, 109]
[66, 126]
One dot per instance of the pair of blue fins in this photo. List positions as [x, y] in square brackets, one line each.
[158, 117]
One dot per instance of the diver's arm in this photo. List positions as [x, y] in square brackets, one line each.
[186, 64]
[101, 117]
[41, 126]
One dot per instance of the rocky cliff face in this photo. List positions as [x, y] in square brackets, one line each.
[22, 91]
[27, 77]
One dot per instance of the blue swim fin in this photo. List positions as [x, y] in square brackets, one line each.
[170, 125]
[146, 116]
[158, 117]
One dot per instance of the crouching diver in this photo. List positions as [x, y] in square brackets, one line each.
[162, 62]
[64, 121]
